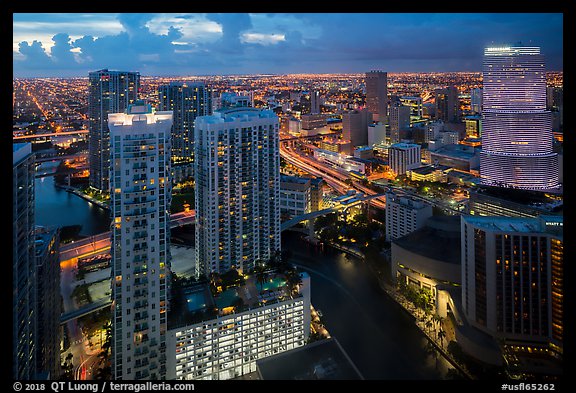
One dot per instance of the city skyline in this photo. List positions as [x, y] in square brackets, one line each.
[68, 45]
[229, 226]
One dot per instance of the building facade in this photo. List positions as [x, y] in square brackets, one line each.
[229, 345]
[355, 127]
[295, 198]
[377, 95]
[512, 278]
[447, 105]
[476, 100]
[403, 156]
[24, 294]
[141, 193]
[399, 120]
[404, 215]
[108, 92]
[237, 169]
[187, 101]
[314, 102]
[517, 129]
[47, 245]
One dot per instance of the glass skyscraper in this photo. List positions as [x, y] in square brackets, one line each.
[109, 92]
[187, 101]
[517, 129]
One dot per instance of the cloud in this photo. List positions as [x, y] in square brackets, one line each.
[160, 44]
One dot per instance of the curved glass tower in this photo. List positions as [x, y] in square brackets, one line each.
[517, 129]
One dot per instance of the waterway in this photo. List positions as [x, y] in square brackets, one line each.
[57, 207]
[380, 338]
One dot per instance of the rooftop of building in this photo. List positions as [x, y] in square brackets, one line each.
[237, 113]
[294, 179]
[321, 360]
[232, 292]
[439, 239]
[428, 169]
[364, 148]
[42, 239]
[534, 199]
[542, 224]
[403, 145]
[456, 150]
[20, 150]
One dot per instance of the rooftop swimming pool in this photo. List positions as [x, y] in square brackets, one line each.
[226, 298]
[272, 284]
[195, 301]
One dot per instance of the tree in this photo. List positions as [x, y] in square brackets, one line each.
[441, 336]
[68, 368]
[293, 279]
[260, 271]
[431, 350]
[429, 325]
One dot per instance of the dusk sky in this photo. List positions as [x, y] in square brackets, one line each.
[67, 44]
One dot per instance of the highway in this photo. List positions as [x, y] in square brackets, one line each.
[333, 177]
[38, 136]
[100, 243]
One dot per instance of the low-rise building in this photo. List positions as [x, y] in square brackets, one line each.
[431, 173]
[225, 334]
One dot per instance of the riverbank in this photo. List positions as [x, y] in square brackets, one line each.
[83, 196]
[404, 305]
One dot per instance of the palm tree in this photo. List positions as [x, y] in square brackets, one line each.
[431, 350]
[429, 325]
[441, 336]
[260, 271]
[293, 279]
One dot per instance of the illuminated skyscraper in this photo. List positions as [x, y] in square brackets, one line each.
[314, 102]
[512, 278]
[109, 92]
[24, 306]
[237, 169]
[377, 95]
[140, 201]
[399, 120]
[476, 100]
[447, 105]
[517, 129]
[187, 101]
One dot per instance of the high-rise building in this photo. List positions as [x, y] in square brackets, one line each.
[404, 215]
[512, 278]
[403, 156]
[141, 192]
[48, 301]
[314, 102]
[447, 105]
[476, 100]
[376, 134]
[186, 100]
[473, 126]
[24, 299]
[109, 92]
[517, 129]
[377, 95]
[237, 167]
[355, 127]
[415, 105]
[399, 120]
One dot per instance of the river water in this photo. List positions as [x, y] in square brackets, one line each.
[57, 207]
[380, 338]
